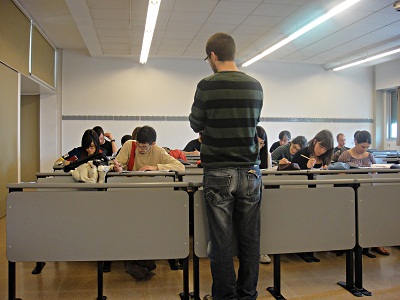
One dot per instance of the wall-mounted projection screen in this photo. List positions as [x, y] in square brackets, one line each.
[14, 37]
[43, 58]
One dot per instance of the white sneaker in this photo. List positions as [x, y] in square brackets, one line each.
[265, 259]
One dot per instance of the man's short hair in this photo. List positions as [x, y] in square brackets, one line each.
[339, 135]
[98, 130]
[125, 138]
[146, 134]
[222, 45]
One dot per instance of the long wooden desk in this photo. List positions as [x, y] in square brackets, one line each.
[281, 206]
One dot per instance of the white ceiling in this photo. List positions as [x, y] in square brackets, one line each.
[114, 28]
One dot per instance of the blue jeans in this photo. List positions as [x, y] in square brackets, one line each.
[233, 199]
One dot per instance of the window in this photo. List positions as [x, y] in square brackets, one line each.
[393, 103]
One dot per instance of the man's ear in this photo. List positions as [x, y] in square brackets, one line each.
[213, 56]
[153, 143]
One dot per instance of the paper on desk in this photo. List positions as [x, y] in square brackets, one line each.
[377, 166]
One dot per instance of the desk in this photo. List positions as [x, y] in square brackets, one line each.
[139, 176]
[330, 215]
[77, 222]
[190, 175]
[330, 212]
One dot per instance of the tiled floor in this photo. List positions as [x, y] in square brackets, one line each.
[300, 280]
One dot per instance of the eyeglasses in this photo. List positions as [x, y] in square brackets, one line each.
[207, 58]
[143, 147]
[296, 147]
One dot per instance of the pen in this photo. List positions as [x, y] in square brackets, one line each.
[304, 156]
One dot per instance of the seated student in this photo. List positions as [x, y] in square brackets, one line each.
[135, 131]
[318, 153]
[193, 147]
[284, 154]
[265, 156]
[284, 138]
[143, 154]
[340, 148]
[176, 153]
[125, 138]
[89, 145]
[360, 156]
[110, 146]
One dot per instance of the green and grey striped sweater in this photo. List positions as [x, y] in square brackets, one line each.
[227, 107]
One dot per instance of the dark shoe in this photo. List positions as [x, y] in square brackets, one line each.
[106, 266]
[173, 264]
[135, 270]
[367, 253]
[39, 266]
[150, 265]
[340, 252]
[315, 259]
[308, 257]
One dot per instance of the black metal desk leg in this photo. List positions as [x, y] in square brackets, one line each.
[100, 281]
[349, 284]
[11, 281]
[186, 278]
[185, 294]
[276, 289]
[196, 277]
[358, 272]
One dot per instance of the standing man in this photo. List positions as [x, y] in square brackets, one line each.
[227, 107]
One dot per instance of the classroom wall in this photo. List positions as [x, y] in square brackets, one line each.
[51, 122]
[97, 90]
[387, 77]
[9, 128]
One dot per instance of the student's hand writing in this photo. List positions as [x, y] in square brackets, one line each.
[284, 161]
[311, 162]
[117, 166]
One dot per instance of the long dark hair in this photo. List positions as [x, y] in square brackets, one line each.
[325, 138]
[88, 137]
[264, 150]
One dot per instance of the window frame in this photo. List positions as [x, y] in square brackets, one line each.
[392, 110]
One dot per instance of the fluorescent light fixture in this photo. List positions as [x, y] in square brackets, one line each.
[152, 13]
[361, 61]
[334, 11]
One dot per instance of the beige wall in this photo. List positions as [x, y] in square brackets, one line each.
[8, 132]
[29, 137]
